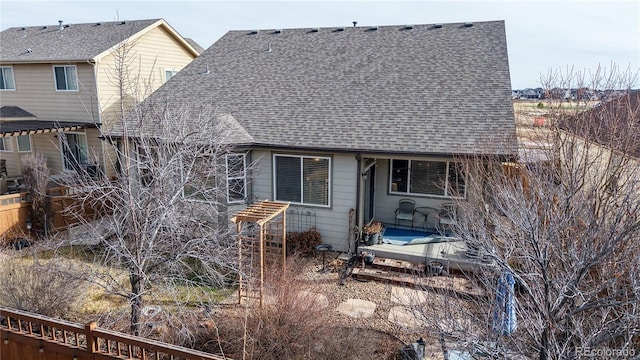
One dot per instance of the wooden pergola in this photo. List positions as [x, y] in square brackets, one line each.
[271, 239]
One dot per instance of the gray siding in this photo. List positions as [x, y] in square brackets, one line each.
[333, 222]
[386, 204]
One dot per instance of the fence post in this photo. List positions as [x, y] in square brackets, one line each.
[92, 344]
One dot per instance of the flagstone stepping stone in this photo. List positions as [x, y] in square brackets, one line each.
[407, 318]
[357, 308]
[314, 299]
[407, 296]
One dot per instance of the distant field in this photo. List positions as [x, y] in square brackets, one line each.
[527, 111]
[532, 118]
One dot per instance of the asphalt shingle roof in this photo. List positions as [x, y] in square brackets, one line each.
[14, 112]
[77, 42]
[614, 123]
[422, 89]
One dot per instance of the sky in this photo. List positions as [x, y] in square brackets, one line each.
[543, 37]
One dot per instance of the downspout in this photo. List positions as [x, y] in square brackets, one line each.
[359, 216]
[99, 116]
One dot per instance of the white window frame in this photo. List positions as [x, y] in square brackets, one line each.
[409, 193]
[66, 80]
[302, 157]
[6, 142]
[62, 137]
[242, 177]
[30, 143]
[173, 73]
[13, 79]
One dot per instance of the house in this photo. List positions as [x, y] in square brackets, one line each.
[59, 87]
[349, 120]
[605, 139]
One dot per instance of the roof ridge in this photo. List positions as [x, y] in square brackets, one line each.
[365, 27]
[40, 26]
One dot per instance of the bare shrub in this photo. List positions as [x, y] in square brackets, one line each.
[303, 243]
[36, 176]
[45, 288]
[291, 325]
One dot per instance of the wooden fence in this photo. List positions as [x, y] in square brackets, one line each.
[27, 336]
[65, 209]
[14, 212]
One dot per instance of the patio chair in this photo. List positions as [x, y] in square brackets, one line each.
[405, 211]
[447, 217]
[3, 167]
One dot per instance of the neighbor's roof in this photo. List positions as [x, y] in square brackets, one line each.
[14, 112]
[614, 123]
[75, 42]
[422, 89]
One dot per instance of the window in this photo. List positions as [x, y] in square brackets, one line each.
[168, 74]
[199, 178]
[74, 150]
[437, 178]
[66, 78]
[5, 144]
[302, 179]
[24, 143]
[6, 78]
[236, 178]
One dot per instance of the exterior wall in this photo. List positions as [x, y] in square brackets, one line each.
[386, 203]
[36, 93]
[49, 146]
[333, 222]
[12, 157]
[147, 58]
[602, 164]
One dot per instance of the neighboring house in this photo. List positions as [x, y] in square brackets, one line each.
[358, 117]
[59, 87]
[607, 139]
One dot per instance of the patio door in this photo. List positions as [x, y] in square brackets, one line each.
[74, 150]
[369, 194]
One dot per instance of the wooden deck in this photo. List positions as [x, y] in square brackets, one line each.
[452, 254]
[405, 273]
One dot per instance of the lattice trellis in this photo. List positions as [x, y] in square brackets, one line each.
[261, 231]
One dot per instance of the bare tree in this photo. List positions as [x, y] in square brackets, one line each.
[159, 230]
[565, 223]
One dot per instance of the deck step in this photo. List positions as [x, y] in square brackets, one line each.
[393, 277]
[400, 266]
[448, 284]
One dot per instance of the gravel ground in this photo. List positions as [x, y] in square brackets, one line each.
[378, 292]
[327, 284]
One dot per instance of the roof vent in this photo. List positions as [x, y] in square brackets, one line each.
[315, 29]
[23, 29]
[123, 22]
[98, 24]
[468, 24]
[67, 25]
[339, 29]
[269, 46]
[355, 23]
[408, 27]
[437, 26]
[373, 28]
[277, 31]
[60, 27]
[253, 32]
[44, 27]
[29, 51]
